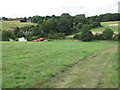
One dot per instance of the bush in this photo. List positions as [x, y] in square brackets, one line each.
[85, 27]
[116, 37]
[61, 36]
[98, 36]
[16, 39]
[87, 36]
[34, 37]
[77, 36]
[107, 34]
[20, 34]
[56, 36]
[49, 39]
[6, 35]
[95, 24]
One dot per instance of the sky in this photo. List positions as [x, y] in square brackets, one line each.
[26, 8]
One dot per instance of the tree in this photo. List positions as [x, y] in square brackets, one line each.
[20, 34]
[48, 26]
[36, 30]
[16, 30]
[86, 34]
[116, 37]
[107, 34]
[85, 27]
[77, 36]
[98, 36]
[4, 18]
[34, 37]
[65, 24]
[80, 18]
[6, 35]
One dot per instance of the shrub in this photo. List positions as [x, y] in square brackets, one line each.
[56, 36]
[61, 36]
[16, 39]
[85, 27]
[116, 37]
[87, 36]
[95, 24]
[77, 36]
[49, 39]
[98, 36]
[34, 37]
[6, 35]
[107, 34]
[20, 34]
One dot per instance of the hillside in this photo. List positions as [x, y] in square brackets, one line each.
[7, 24]
[112, 25]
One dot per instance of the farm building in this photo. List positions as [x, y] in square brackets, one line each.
[22, 39]
[38, 40]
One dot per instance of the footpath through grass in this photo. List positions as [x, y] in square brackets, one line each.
[32, 64]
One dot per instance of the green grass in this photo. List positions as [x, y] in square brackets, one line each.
[106, 25]
[30, 64]
[7, 24]
[100, 70]
[110, 74]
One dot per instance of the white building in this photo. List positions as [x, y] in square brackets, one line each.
[22, 39]
[11, 40]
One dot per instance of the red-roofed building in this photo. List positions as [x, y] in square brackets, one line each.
[38, 40]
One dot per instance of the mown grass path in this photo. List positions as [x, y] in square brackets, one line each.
[92, 72]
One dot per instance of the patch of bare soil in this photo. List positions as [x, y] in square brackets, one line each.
[114, 24]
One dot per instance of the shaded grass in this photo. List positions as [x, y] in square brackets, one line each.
[29, 64]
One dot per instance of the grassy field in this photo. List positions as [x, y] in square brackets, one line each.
[106, 25]
[7, 24]
[59, 64]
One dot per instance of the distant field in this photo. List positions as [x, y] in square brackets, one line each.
[59, 64]
[113, 26]
[7, 24]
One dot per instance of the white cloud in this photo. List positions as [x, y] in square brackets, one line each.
[21, 8]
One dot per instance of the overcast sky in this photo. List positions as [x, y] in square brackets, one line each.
[26, 8]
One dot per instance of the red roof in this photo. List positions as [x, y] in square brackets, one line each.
[34, 40]
[40, 39]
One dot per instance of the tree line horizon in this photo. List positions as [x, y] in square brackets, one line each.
[57, 27]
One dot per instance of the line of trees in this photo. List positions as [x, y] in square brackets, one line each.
[54, 27]
[57, 27]
[106, 17]
[107, 34]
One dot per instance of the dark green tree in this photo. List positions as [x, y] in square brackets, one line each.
[77, 36]
[107, 34]
[20, 34]
[16, 30]
[6, 35]
[86, 34]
